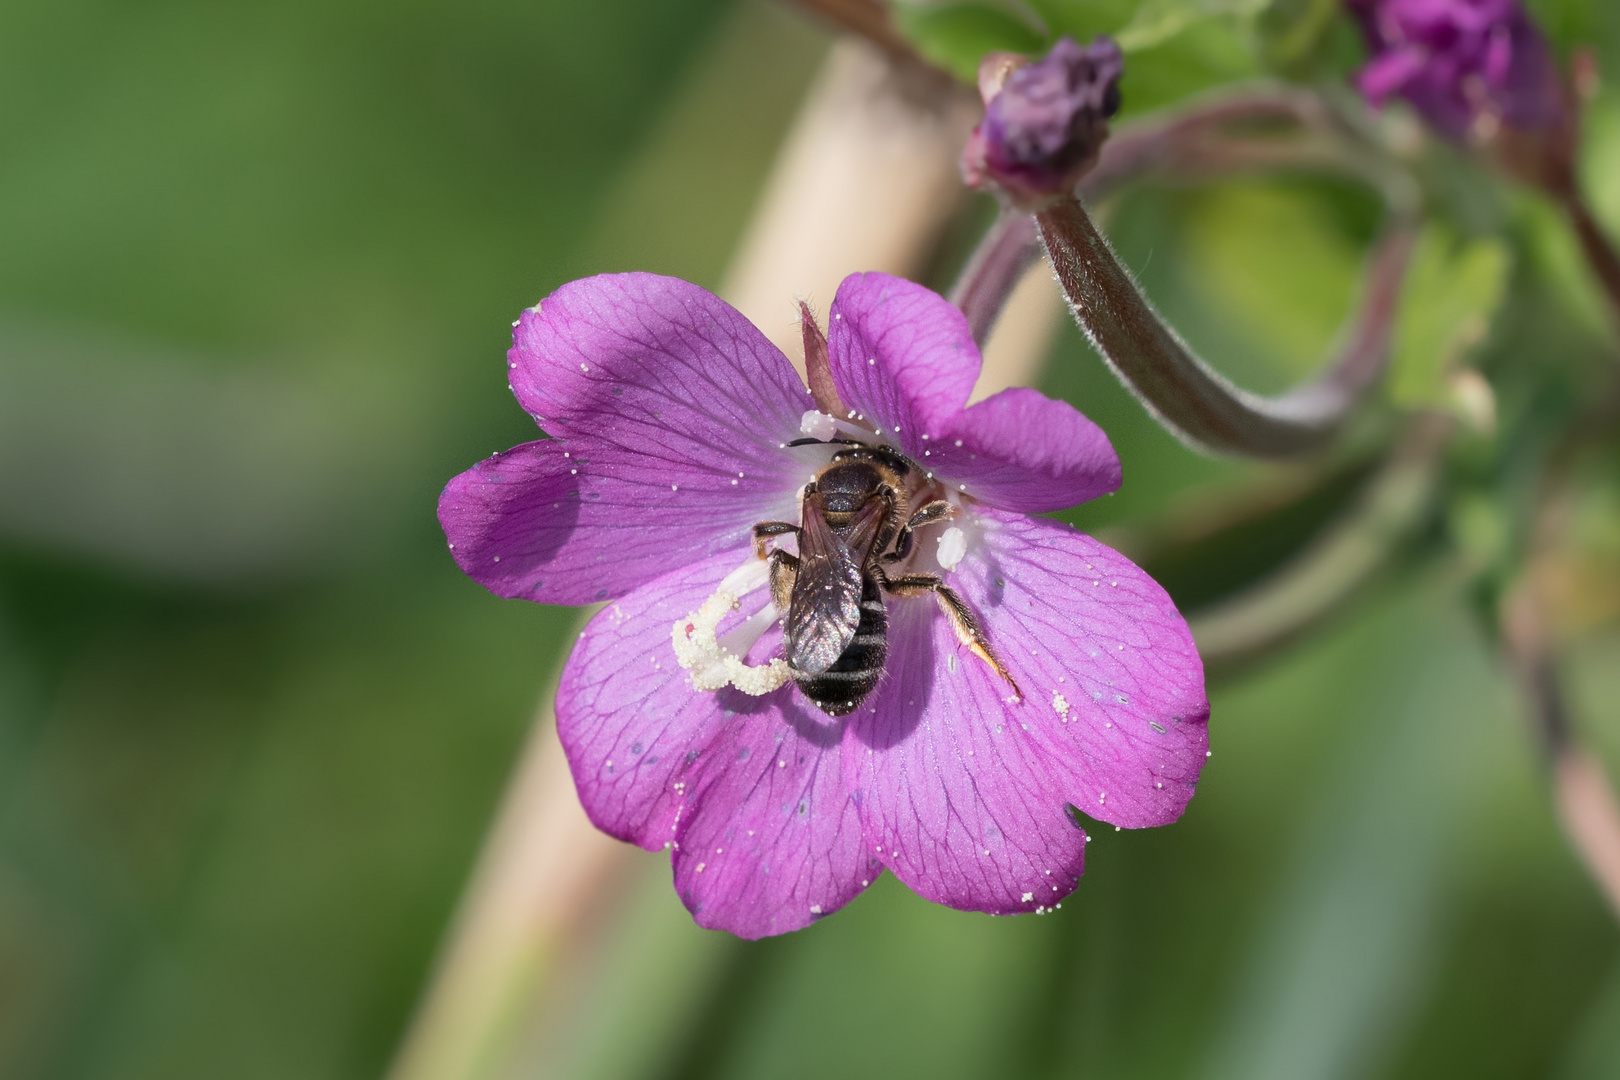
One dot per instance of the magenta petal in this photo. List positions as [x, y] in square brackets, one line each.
[1386, 75]
[1136, 731]
[656, 365]
[1020, 450]
[576, 522]
[771, 842]
[946, 770]
[657, 763]
[903, 357]
[629, 720]
[953, 796]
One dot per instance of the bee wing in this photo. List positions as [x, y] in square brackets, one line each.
[825, 609]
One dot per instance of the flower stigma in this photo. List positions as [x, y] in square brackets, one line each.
[716, 663]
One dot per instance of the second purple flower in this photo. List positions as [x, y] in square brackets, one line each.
[1031, 674]
[1460, 63]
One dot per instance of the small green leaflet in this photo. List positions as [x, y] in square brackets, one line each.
[1453, 289]
[1157, 21]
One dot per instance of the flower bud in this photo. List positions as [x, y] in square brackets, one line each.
[1044, 122]
[1470, 67]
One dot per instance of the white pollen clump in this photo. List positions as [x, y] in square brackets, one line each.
[952, 546]
[818, 425]
[712, 665]
[1061, 704]
[815, 909]
[1027, 897]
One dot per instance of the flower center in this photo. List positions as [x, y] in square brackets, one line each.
[716, 661]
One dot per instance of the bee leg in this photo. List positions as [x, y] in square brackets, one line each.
[963, 621]
[784, 572]
[927, 514]
[767, 529]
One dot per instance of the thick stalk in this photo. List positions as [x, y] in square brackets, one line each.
[1263, 129]
[1217, 137]
[1185, 393]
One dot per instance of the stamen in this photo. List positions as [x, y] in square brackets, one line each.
[952, 547]
[751, 575]
[818, 425]
[716, 664]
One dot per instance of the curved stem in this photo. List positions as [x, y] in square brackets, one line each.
[1260, 128]
[1184, 392]
[1230, 134]
[1203, 141]
[871, 20]
[1007, 250]
[1600, 253]
[1582, 793]
[1331, 570]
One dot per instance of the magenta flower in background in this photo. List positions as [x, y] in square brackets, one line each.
[670, 416]
[1460, 63]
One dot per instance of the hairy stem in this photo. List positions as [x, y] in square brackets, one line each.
[1254, 130]
[1248, 130]
[1007, 250]
[1184, 392]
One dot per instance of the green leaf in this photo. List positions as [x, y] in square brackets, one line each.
[1157, 21]
[1452, 291]
[1296, 37]
[956, 36]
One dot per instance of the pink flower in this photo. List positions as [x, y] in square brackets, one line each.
[671, 418]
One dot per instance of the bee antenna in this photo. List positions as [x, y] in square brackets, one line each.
[824, 442]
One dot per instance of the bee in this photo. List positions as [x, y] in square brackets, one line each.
[855, 519]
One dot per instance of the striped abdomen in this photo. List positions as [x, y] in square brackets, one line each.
[845, 684]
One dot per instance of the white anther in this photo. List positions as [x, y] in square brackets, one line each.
[952, 546]
[818, 425]
[715, 663]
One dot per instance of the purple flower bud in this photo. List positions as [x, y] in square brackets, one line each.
[1469, 67]
[1044, 126]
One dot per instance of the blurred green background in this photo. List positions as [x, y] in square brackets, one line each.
[257, 269]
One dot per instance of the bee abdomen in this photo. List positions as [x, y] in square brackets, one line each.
[843, 686]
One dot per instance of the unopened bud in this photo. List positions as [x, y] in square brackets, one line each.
[1044, 122]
